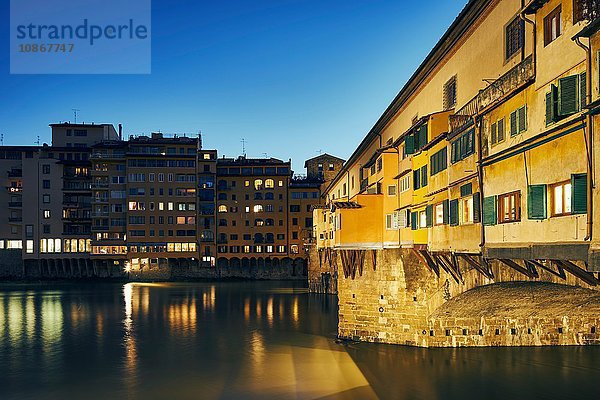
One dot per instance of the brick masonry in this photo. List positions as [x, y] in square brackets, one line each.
[402, 301]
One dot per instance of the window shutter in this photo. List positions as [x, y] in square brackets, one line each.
[494, 133]
[579, 193]
[568, 95]
[422, 136]
[551, 105]
[424, 176]
[453, 212]
[489, 211]
[445, 206]
[413, 221]
[409, 144]
[407, 221]
[416, 179]
[582, 90]
[522, 117]
[501, 133]
[429, 215]
[513, 123]
[536, 202]
[466, 190]
[476, 207]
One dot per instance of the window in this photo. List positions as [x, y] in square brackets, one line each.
[450, 93]
[46, 214]
[46, 228]
[391, 190]
[405, 183]
[420, 177]
[509, 207]
[46, 198]
[552, 26]
[463, 146]
[45, 169]
[46, 184]
[294, 208]
[258, 208]
[514, 37]
[439, 214]
[439, 161]
[466, 210]
[560, 195]
[422, 219]
[258, 184]
[498, 133]
[269, 184]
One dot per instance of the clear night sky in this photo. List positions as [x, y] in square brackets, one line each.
[290, 76]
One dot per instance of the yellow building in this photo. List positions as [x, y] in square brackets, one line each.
[484, 151]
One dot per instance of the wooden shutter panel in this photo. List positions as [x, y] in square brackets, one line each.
[551, 105]
[429, 215]
[489, 211]
[424, 176]
[466, 190]
[579, 193]
[454, 212]
[582, 91]
[513, 123]
[568, 95]
[416, 179]
[413, 221]
[409, 144]
[501, 133]
[445, 206]
[407, 224]
[522, 117]
[536, 202]
[494, 133]
[476, 207]
[422, 136]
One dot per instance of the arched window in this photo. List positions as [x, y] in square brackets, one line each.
[222, 196]
[269, 184]
[222, 208]
[259, 222]
[206, 236]
[258, 184]
[258, 238]
[258, 208]
[269, 222]
[258, 196]
[269, 196]
[270, 238]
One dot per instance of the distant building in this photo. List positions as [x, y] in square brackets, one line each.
[101, 205]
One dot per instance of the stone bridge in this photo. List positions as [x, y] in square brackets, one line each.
[415, 297]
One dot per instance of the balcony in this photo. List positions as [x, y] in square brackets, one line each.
[15, 173]
[100, 214]
[76, 186]
[99, 185]
[517, 77]
[15, 204]
[97, 228]
[104, 156]
[15, 219]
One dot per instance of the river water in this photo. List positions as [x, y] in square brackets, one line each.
[245, 340]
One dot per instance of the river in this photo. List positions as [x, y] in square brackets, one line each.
[244, 340]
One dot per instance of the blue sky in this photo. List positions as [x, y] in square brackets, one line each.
[291, 77]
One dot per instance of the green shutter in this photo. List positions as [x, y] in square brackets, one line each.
[522, 117]
[422, 136]
[476, 207]
[579, 193]
[489, 211]
[424, 176]
[513, 123]
[445, 206]
[454, 212]
[444, 159]
[409, 144]
[466, 190]
[568, 95]
[582, 90]
[416, 179]
[429, 215]
[494, 133]
[536, 202]
[501, 130]
[413, 221]
[551, 105]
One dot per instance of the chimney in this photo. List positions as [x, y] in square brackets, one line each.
[120, 132]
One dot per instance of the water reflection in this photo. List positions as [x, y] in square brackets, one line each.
[243, 340]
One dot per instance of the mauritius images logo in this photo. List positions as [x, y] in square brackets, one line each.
[80, 37]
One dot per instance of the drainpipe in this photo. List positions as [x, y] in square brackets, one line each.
[533, 49]
[480, 177]
[589, 138]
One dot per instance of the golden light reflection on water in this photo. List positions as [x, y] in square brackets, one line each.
[129, 343]
[270, 311]
[183, 316]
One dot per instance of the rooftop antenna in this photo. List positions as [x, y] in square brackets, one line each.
[2, 139]
[266, 155]
[75, 111]
[243, 147]
[200, 139]
[38, 140]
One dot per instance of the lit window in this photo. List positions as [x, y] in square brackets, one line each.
[132, 205]
[222, 208]
[280, 183]
[439, 213]
[466, 210]
[206, 156]
[561, 198]
[509, 207]
[161, 206]
[269, 184]
[422, 219]
[46, 214]
[258, 208]
[258, 183]
[170, 206]
[29, 246]
[247, 183]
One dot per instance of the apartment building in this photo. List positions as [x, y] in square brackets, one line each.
[101, 205]
[488, 152]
